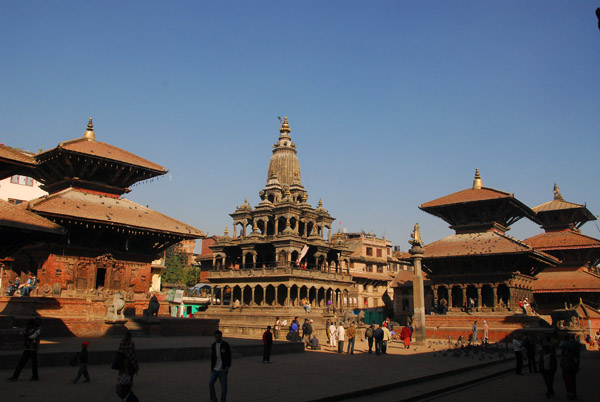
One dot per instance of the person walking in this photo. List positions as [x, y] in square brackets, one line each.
[341, 336]
[82, 359]
[378, 336]
[548, 365]
[32, 341]
[518, 349]
[405, 336]
[129, 363]
[529, 346]
[267, 345]
[220, 362]
[569, 364]
[369, 336]
[351, 338]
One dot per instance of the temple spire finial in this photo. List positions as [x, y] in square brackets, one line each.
[477, 184]
[285, 127]
[89, 133]
[557, 195]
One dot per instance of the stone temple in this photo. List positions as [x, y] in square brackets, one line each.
[279, 253]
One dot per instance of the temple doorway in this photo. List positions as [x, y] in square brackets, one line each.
[100, 277]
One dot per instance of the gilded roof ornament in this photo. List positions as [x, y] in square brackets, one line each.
[557, 195]
[285, 127]
[226, 233]
[477, 184]
[416, 237]
[89, 133]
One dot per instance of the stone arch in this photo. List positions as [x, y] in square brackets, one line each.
[295, 255]
[303, 292]
[270, 227]
[312, 296]
[293, 223]
[301, 228]
[235, 294]
[321, 297]
[260, 224]
[294, 295]
[247, 295]
[269, 298]
[281, 222]
[259, 295]
[282, 295]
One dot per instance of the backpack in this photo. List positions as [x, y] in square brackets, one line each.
[369, 332]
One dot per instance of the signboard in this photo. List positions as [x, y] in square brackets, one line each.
[178, 296]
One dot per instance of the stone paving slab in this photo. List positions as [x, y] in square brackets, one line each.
[292, 377]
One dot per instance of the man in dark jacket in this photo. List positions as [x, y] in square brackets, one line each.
[32, 342]
[378, 336]
[268, 344]
[220, 361]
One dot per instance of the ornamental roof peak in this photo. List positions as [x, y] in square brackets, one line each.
[89, 133]
[285, 127]
[477, 183]
[557, 195]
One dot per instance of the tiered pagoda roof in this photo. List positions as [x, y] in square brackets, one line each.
[479, 209]
[92, 165]
[579, 254]
[481, 216]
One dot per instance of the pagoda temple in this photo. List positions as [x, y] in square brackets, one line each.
[278, 253]
[576, 278]
[480, 261]
[97, 242]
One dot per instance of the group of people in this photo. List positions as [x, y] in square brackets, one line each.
[473, 337]
[527, 307]
[440, 307]
[125, 361]
[337, 334]
[547, 361]
[23, 289]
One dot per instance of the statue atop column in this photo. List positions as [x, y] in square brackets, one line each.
[416, 242]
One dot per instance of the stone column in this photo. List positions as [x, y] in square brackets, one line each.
[418, 293]
[494, 295]
[479, 301]
[449, 287]
[465, 300]
[252, 299]
[288, 300]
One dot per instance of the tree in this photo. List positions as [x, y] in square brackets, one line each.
[175, 263]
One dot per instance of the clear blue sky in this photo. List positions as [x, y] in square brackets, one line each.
[391, 103]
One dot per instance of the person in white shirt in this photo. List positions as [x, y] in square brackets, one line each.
[333, 337]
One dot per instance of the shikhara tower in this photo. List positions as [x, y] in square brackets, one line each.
[262, 263]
